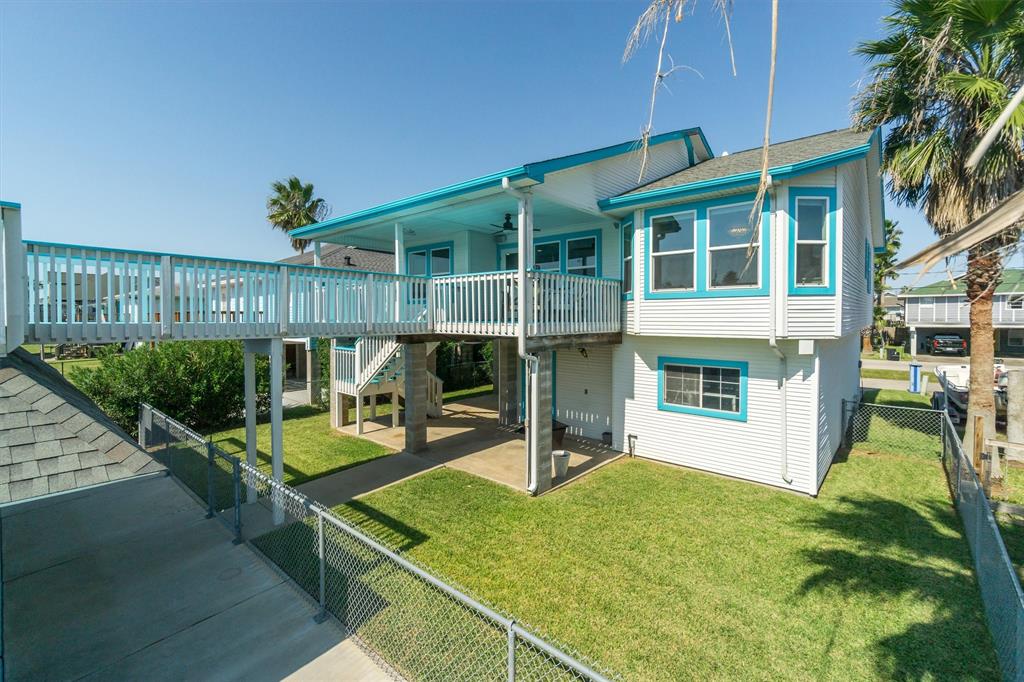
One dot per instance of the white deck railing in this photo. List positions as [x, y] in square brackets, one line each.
[93, 295]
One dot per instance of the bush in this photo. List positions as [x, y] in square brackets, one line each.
[200, 383]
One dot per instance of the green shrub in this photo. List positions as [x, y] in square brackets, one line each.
[200, 383]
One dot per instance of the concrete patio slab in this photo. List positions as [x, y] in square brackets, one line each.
[468, 437]
[130, 581]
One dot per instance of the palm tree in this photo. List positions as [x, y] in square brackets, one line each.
[939, 78]
[293, 205]
[885, 270]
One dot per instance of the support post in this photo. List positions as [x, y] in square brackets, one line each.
[373, 406]
[396, 418]
[913, 342]
[322, 616]
[508, 387]
[359, 414]
[1014, 413]
[332, 389]
[236, 479]
[312, 371]
[415, 396]
[538, 426]
[166, 296]
[210, 468]
[316, 254]
[276, 408]
[249, 360]
[511, 661]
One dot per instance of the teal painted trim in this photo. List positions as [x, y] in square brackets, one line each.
[426, 249]
[735, 181]
[740, 416]
[689, 150]
[10, 204]
[701, 289]
[502, 249]
[627, 227]
[533, 171]
[158, 254]
[828, 193]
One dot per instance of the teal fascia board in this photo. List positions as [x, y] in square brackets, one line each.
[531, 171]
[10, 204]
[829, 194]
[734, 181]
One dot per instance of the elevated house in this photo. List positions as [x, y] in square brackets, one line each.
[942, 308]
[662, 315]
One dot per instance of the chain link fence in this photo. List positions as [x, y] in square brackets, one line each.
[931, 433]
[414, 624]
[210, 473]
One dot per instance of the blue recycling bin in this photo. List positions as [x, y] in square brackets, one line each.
[915, 377]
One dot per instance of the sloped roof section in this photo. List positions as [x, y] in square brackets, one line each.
[749, 161]
[53, 438]
[1012, 283]
[334, 256]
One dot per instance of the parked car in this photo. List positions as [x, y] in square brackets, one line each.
[948, 344]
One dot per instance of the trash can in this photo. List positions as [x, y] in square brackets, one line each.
[557, 434]
[893, 354]
[560, 458]
[915, 377]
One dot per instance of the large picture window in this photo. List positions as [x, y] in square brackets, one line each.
[581, 256]
[673, 246]
[429, 261]
[731, 261]
[713, 388]
[811, 241]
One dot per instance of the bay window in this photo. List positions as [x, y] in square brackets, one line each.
[673, 246]
[729, 235]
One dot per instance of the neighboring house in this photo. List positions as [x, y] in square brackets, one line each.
[942, 308]
[661, 320]
[893, 307]
[300, 354]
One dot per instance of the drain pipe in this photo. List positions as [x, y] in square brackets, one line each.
[525, 239]
[777, 301]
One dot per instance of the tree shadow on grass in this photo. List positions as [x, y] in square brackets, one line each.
[894, 551]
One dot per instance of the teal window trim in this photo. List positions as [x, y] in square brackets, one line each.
[701, 288]
[426, 249]
[563, 240]
[828, 193]
[627, 229]
[743, 367]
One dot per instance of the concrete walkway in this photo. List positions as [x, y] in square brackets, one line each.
[347, 484]
[130, 581]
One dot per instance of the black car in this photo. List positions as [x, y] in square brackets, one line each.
[947, 344]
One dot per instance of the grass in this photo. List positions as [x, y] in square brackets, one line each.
[664, 573]
[874, 354]
[897, 374]
[312, 448]
[384, 408]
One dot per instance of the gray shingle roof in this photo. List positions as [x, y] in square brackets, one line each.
[779, 154]
[333, 256]
[53, 438]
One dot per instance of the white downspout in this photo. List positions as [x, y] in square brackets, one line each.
[525, 264]
[777, 294]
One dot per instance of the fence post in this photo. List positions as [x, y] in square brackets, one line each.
[511, 651]
[142, 422]
[322, 616]
[209, 479]
[168, 452]
[847, 416]
[236, 477]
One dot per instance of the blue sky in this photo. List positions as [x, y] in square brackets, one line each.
[161, 125]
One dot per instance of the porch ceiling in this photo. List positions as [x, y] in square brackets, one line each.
[478, 215]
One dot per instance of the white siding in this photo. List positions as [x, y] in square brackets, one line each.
[583, 390]
[855, 228]
[749, 450]
[838, 360]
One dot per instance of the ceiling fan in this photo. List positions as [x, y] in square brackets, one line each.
[508, 225]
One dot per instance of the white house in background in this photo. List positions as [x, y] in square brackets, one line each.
[658, 315]
[942, 308]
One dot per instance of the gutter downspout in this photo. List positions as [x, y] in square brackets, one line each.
[525, 243]
[777, 302]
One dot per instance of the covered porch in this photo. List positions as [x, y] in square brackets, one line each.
[469, 436]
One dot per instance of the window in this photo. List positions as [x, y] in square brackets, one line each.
[429, 261]
[673, 240]
[548, 256]
[581, 256]
[927, 302]
[1015, 302]
[811, 241]
[1015, 338]
[627, 258]
[715, 388]
[729, 235]
[510, 260]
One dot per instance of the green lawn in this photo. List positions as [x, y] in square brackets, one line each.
[897, 374]
[663, 573]
[311, 447]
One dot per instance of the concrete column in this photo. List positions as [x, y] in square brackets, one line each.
[312, 372]
[249, 360]
[913, 341]
[505, 378]
[395, 410]
[276, 426]
[373, 406]
[345, 402]
[538, 427]
[415, 396]
[359, 414]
